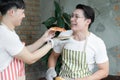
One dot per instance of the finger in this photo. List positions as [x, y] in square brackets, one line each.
[52, 32]
[53, 35]
[49, 30]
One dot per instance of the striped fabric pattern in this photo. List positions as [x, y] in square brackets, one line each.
[13, 71]
[74, 64]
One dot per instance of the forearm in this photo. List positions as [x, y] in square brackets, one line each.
[41, 52]
[36, 44]
[31, 58]
[102, 72]
[98, 75]
[52, 60]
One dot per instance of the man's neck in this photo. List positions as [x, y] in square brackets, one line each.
[8, 24]
[81, 35]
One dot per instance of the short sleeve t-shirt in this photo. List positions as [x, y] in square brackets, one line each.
[10, 45]
[95, 48]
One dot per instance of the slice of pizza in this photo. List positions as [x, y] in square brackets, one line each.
[57, 29]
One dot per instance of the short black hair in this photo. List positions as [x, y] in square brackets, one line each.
[88, 12]
[6, 5]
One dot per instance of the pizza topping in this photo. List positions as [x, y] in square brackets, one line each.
[57, 29]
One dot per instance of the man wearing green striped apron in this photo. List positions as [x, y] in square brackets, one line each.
[81, 52]
[74, 62]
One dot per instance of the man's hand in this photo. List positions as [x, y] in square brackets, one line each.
[51, 73]
[48, 35]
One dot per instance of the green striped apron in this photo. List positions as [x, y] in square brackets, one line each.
[74, 63]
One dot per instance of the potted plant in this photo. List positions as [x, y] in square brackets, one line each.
[60, 19]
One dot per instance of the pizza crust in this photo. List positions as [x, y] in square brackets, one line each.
[57, 29]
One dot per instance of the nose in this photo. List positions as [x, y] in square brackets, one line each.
[72, 18]
[23, 15]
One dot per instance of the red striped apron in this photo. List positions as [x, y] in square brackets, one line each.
[13, 71]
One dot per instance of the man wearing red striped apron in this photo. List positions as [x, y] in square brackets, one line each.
[12, 51]
[11, 68]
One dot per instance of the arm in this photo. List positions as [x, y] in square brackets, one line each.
[29, 57]
[102, 72]
[102, 61]
[36, 45]
[53, 59]
[47, 35]
[31, 53]
[51, 73]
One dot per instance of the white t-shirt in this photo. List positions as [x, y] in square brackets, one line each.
[10, 45]
[95, 49]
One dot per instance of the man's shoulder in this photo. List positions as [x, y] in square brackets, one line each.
[96, 39]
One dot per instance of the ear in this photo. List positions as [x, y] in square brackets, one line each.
[88, 21]
[11, 12]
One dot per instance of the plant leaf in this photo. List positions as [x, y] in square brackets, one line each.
[66, 18]
[67, 27]
[49, 21]
[58, 10]
[60, 22]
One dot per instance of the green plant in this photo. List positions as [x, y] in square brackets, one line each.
[60, 19]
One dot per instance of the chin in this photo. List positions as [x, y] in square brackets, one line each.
[17, 24]
[74, 29]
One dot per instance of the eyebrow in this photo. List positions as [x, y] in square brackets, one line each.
[77, 15]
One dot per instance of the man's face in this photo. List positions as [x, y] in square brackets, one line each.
[18, 15]
[78, 20]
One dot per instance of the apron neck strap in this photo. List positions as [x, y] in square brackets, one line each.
[84, 48]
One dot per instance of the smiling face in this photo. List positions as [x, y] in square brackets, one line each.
[78, 21]
[18, 15]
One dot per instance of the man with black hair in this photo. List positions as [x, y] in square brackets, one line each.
[12, 51]
[81, 52]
